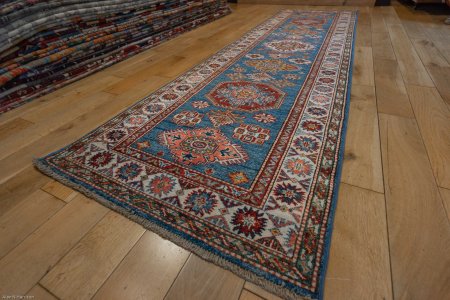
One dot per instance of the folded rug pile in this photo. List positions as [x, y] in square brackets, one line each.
[47, 44]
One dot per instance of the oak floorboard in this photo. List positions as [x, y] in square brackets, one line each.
[201, 280]
[24, 218]
[86, 267]
[141, 61]
[259, 291]
[429, 53]
[24, 266]
[420, 24]
[445, 194]
[191, 58]
[363, 27]
[439, 33]
[224, 36]
[362, 157]
[390, 16]
[441, 78]
[381, 46]
[362, 38]
[80, 100]
[363, 67]
[414, 29]
[17, 112]
[18, 161]
[433, 119]
[143, 68]
[27, 107]
[78, 89]
[378, 24]
[16, 189]
[179, 44]
[141, 80]
[59, 190]
[381, 41]
[392, 97]
[419, 235]
[359, 2]
[147, 272]
[368, 275]
[412, 20]
[13, 127]
[45, 121]
[39, 293]
[247, 295]
[410, 65]
[436, 64]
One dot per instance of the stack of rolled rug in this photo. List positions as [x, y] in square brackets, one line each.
[47, 44]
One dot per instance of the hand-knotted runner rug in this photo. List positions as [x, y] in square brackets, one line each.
[237, 160]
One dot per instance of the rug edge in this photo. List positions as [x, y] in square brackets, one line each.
[202, 253]
[279, 290]
[340, 164]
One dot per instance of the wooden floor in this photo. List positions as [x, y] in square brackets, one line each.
[391, 235]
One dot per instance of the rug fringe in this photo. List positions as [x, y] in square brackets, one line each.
[176, 239]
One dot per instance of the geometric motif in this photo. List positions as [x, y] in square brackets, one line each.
[289, 46]
[299, 167]
[246, 96]
[289, 193]
[201, 146]
[161, 185]
[201, 202]
[271, 65]
[253, 134]
[187, 118]
[264, 118]
[200, 104]
[249, 222]
[238, 177]
[220, 117]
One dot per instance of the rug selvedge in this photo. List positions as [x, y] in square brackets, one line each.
[237, 159]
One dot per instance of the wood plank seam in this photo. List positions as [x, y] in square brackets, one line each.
[411, 37]
[382, 165]
[443, 204]
[264, 298]
[360, 187]
[385, 200]
[64, 279]
[32, 232]
[59, 199]
[69, 250]
[106, 279]
[404, 281]
[426, 69]
[131, 249]
[256, 295]
[47, 290]
[178, 274]
[240, 294]
[414, 112]
[422, 139]
[412, 52]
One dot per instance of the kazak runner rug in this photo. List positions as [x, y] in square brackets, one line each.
[237, 160]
